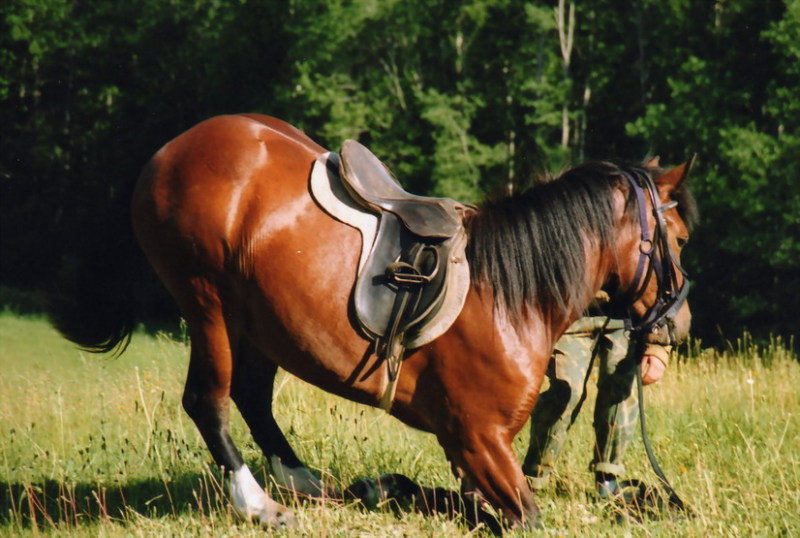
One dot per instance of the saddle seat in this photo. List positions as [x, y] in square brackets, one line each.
[374, 187]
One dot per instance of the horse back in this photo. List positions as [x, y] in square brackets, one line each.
[207, 192]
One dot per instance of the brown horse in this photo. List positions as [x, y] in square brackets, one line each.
[263, 277]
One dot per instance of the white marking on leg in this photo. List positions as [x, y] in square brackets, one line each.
[300, 479]
[248, 497]
[251, 501]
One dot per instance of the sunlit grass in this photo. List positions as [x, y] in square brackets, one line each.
[92, 446]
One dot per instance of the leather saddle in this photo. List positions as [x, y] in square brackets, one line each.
[413, 279]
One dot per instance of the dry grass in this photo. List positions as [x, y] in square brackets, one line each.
[92, 446]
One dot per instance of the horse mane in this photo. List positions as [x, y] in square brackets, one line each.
[529, 248]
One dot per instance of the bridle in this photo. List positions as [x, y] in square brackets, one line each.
[655, 258]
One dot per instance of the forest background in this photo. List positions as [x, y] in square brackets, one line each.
[458, 98]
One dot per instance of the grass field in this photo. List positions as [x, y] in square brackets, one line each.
[92, 446]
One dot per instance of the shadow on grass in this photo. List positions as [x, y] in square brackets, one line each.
[636, 501]
[59, 503]
[400, 494]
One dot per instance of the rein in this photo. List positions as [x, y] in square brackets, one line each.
[655, 258]
[673, 497]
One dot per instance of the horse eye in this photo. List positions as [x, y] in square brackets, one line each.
[682, 241]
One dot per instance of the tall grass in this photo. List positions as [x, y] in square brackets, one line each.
[93, 446]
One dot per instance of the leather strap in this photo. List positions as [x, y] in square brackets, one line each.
[674, 499]
[408, 275]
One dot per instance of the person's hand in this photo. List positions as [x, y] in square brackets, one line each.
[652, 369]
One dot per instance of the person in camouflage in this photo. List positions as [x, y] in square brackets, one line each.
[616, 408]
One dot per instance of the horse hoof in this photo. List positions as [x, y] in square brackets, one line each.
[276, 519]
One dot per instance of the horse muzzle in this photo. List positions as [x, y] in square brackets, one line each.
[671, 331]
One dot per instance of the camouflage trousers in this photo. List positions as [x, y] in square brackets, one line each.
[588, 340]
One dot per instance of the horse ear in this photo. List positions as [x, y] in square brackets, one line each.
[674, 177]
[653, 163]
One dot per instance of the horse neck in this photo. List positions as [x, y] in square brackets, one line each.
[544, 257]
[600, 262]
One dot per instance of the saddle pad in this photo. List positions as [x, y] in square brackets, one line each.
[327, 190]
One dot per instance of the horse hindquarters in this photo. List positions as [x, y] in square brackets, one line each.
[184, 213]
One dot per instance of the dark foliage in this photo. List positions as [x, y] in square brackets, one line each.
[459, 99]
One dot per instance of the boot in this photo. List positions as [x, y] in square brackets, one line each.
[606, 484]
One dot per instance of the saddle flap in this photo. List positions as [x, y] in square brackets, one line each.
[383, 241]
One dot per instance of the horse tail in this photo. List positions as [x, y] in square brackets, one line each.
[93, 304]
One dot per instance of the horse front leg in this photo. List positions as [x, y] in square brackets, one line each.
[206, 400]
[490, 472]
[480, 399]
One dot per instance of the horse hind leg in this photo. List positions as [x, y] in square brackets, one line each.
[252, 391]
[206, 400]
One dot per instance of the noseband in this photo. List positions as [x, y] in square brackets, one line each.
[655, 258]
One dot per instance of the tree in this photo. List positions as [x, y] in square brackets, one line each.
[729, 100]
[459, 98]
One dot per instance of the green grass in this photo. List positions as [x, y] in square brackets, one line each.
[94, 446]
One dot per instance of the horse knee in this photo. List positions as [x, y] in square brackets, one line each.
[197, 403]
[489, 470]
[190, 401]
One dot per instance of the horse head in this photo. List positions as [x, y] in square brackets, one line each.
[659, 215]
